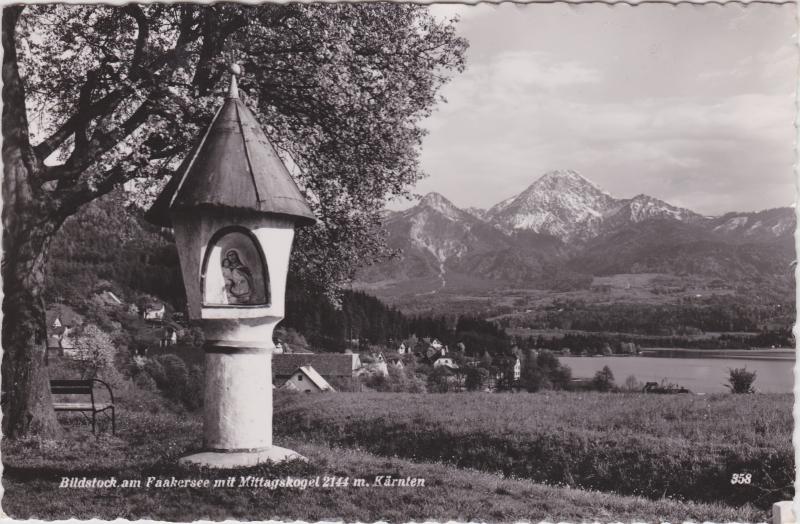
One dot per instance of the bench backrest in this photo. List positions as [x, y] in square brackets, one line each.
[78, 387]
[71, 387]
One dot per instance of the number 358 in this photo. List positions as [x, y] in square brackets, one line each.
[741, 478]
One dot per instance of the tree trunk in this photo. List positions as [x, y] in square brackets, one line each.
[27, 404]
[27, 229]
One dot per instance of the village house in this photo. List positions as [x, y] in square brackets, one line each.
[508, 370]
[305, 379]
[374, 364]
[61, 324]
[396, 361]
[108, 298]
[446, 362]
[438, 346]
[169, 336]
[154, 311]
[433, 351]
[336, 368]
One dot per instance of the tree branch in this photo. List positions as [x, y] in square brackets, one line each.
[135, 11]
[101, 108]
[99, 144]
[109, 103]
[84, 103]
[72, 199]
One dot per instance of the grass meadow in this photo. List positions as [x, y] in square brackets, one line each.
[683, 447]
[325, 428]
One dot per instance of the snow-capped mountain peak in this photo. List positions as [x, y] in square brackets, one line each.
[567, 179]
[440, 204]
[644, 207]
[561, 203]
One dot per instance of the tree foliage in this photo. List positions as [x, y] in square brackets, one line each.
[603, 380]
[120, 93]
[544, 371]
[741, 381]
[98, 355]
[114, 94]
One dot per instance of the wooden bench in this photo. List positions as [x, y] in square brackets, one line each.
[84, 388]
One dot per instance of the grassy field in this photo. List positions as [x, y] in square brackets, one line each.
[148, 445]
[149, 441]
[687, 447]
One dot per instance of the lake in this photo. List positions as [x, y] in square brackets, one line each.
[700, 375]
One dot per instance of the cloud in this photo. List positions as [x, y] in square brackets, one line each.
[712, 131]
[462, 11]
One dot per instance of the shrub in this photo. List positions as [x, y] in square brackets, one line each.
[632, 384]
[192, 396]
[176, 375]
[603, 380]
[195, 337]
[476, 378]
[177, 382]
[741, 380]
[145, 381]
[156, 371]
[98, 354]
[175, 371]
[440, 380]
[544, 371]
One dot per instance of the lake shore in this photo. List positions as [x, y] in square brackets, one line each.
[747, 354]
[699, 374]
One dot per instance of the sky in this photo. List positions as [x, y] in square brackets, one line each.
[690, 104]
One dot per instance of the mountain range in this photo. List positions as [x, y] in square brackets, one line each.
[563, 230]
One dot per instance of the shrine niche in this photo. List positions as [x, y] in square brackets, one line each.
[235, 272]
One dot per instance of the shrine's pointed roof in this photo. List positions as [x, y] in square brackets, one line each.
[233, 166]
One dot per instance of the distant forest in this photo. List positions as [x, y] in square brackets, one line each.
[107, 245]
[691, 317]
[363, 319]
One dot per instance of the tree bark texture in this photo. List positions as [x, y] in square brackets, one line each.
[27, 229]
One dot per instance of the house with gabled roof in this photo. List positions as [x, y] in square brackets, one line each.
[61, 323]
[373, 364]
[396, 361]
[154, 311]
[305, 379]
[445, 362]
[339, 368]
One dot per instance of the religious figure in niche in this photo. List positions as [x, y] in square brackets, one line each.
[238, 279]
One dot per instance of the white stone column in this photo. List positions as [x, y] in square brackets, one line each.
[237, 422]
[238, 399]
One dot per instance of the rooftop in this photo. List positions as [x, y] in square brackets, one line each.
[233, 166]
[327, 364]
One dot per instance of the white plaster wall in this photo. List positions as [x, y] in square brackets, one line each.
[303, 385]
[238, 400]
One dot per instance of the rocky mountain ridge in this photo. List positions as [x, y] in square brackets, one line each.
[563, 230]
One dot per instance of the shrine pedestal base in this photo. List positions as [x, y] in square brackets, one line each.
[240, 459]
